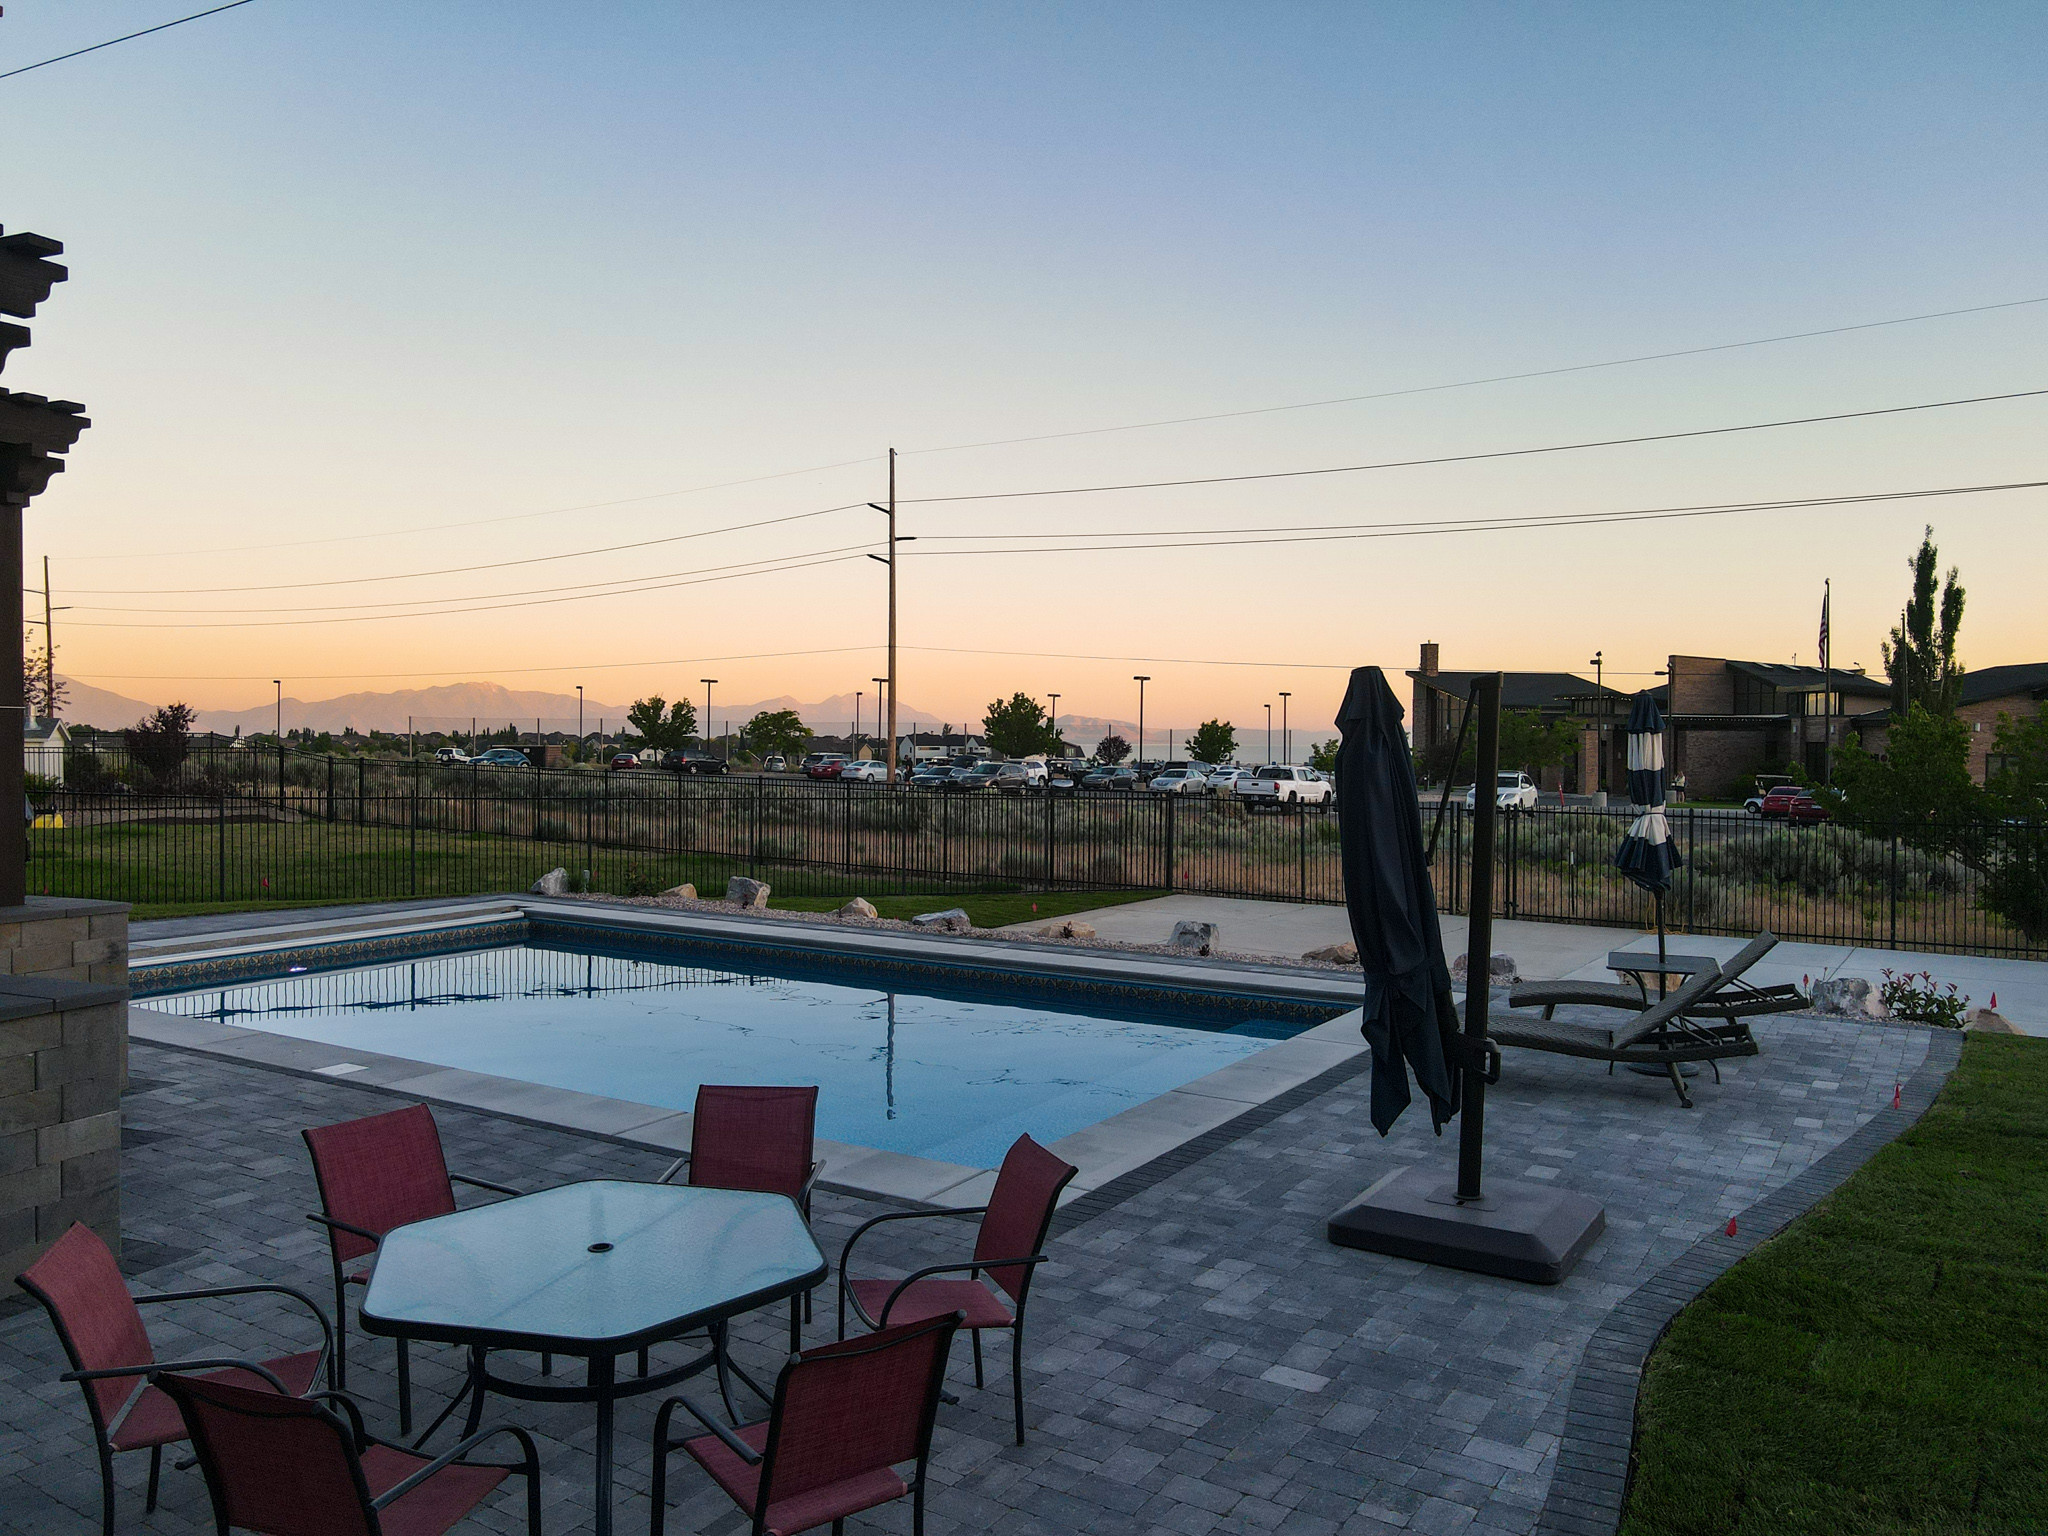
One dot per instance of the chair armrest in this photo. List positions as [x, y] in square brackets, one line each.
[529, 1463]
[335, 1224]
[975, 1268]
[312, 1306]
[672, 1170]
[731, 1441]
[459, 1178]
[1591, 994]
[355, 1414]
[862, 1230]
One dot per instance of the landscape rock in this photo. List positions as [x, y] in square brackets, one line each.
[952, 920]
[1985, 1021]
[860, 906]
[748, 894]
[554, 883]
[685, 891]
[1067, 929]
[1202, 938]
[1852, 997]
[1501, 970]
[1334, 954]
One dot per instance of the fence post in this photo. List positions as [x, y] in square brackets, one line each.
[1301, 849]
[221, 826]
[412, 848]
[362, 786]
[330, 788]
[540, 795]
[1892, 884]
[1172, 819]
[1051, 800]
[1691, 872]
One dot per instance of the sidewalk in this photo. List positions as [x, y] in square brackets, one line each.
[1287, 930]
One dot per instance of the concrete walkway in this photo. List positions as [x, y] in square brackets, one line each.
[1288, 930]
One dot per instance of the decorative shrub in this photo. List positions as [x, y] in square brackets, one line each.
[1916, 996]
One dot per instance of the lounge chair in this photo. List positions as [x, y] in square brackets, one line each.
[1730, 998]
[1665, 1034]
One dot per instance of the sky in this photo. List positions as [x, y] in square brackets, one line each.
[578, 277]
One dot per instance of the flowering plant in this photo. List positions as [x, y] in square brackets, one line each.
[1916, 996]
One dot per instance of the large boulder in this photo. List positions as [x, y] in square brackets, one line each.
[1199, 938]
[1334, 954]
[1500, 970]
[554, 883]
[1852, 997]
[860, 906]
[1985, 1021]
[751, 895]
[683, 892]
[952, 920]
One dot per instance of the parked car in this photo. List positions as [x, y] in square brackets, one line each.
[932, 776]
[1765, 784]
[824, 765]
[502, 757]
[1225, 780]
[450, 755]
[1283, 784]
[1111, 778]
[1788, 802]
[865, 770]
[973, 780]
[1178, 781]
[1019, 778]
[1513, 790]
[775, 762]
[693, 760]
[625, 760]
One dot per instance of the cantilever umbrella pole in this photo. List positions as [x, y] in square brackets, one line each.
[1479, 936]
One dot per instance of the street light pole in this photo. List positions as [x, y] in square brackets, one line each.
[1286, 736]
[278, 683]
[579, 717]
[707, 682]
[1053, 721]
[1596, 664]
[1141, 682]
[881, 700]
[1269, 733]
[858, 696]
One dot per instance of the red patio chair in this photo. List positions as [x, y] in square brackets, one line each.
[1009, 1248]
[286, 1466]
[377, 1173]
[844, 1417]
[760, 1139]
[99, 1323]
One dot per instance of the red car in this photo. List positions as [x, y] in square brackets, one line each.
[824, 765]
[625, 760]
[1788, 802]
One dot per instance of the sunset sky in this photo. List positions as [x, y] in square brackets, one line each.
[380, 289]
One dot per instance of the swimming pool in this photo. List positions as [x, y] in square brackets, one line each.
[938, 1062]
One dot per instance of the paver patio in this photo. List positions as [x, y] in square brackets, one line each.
[1201, 1359]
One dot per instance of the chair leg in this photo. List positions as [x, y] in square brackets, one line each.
[1017, 1374]
[337, 1368]
[657, 1496]
[976, 1337]
[917, 1508]
[156, 1467]
[1678, 1082]
[796, 1324]
[547, 1363]
[106, 1490]
[404, 1387]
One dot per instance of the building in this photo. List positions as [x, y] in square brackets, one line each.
[1439, 700]
[1984, 696]
[937, 746]
[1727, 721]
[42, 748]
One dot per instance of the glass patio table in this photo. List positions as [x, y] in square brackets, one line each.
[593, 1270]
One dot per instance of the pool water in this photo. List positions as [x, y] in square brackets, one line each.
[941, 1071]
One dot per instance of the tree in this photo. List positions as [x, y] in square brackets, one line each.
[1525, 743]
[775, 730]
[1017, 727]
[1923, 778]
[663, 731]
[2016, 888]
[1213, 742]
[2018, 785]
[1323, 755]
[1920, 655]
[1112, 748]
[162, 741]
[41, 689]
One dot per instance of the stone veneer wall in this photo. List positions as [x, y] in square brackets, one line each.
[63, 1066]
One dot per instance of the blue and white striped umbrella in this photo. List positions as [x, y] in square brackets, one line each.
[1646, 855]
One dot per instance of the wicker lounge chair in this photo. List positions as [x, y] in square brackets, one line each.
[1666, 1034]
[1730, 998]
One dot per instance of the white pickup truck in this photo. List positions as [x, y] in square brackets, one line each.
[1283, 785]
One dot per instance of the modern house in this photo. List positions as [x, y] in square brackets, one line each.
[42, 748]
[1728, 721]
[1985, 695]
[1439, 701]
[936, 746]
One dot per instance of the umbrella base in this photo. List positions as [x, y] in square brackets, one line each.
[1648, 1069]
[1518, 1231]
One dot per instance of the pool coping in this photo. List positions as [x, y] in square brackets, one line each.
[1110, 1150]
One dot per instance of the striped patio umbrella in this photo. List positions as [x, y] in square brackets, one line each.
[1646, 855]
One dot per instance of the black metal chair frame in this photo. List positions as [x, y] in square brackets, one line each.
[104, 1429]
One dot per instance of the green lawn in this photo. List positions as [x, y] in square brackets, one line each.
[988, 910]
[1882, 1366]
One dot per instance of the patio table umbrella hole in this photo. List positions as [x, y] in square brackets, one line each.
[1508, 1228]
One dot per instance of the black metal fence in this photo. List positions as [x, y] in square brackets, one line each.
[251, 826]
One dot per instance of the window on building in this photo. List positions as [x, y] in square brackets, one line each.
[1753, 697]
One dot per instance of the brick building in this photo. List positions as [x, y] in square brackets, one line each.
[2015, 690]
[1731, 720]
[1439, 700]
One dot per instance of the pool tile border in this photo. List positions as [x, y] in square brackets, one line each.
[1596, 1451]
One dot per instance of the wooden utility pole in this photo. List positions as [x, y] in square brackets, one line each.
[891, 749]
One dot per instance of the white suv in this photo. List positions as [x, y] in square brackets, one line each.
[1281, 784]
[1513, 791]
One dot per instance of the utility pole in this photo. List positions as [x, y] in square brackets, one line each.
[278, 683]
[1286, 736]
[858, 695]
[881, 698]
[1053, 720]
[890, 561]
[49, 649]
[1269, 733]
[579, 717]
[707, 682]
[1141, 682]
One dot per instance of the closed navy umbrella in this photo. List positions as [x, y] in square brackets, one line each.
[1409, 1017]
[1647, 855]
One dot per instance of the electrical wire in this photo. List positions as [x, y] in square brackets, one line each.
[96, 47]
[1467, 458]
[1498, 378]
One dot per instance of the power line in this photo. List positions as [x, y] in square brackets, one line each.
[1466, 458]
[463, 570]
[1421, 528]
[1499, 378]
[573, 666]
[96, 47]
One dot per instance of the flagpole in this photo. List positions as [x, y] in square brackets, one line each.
[1827, 670]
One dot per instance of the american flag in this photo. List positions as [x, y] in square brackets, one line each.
[1824, 595]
